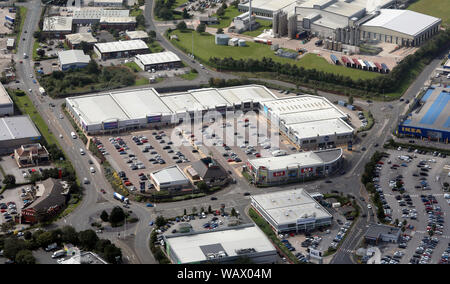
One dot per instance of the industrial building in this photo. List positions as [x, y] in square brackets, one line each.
[57, 27]
[142, 35]
[140, 108]
[120, 49]
[170, 179]
[430, 117]
[291, 211]
[108, 3]
[265, 9]
[158, 61]
[16, 131]
[309, 121]
[118, 23]
[6, 103]
[346, 22]
[221, 246]
[72, 59]
[402, 27]
[74, 40]
[93, 16]
[295, 167]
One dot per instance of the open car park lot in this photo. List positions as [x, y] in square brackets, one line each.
[141, 152]
[422, 204]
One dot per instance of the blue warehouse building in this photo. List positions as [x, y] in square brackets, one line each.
[430, 119]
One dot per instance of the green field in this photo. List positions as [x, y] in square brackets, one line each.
[23, 14]
[189, 76]
[435, 8]
[205, 48]
[155, 47]
[25, 105]
[225, 21]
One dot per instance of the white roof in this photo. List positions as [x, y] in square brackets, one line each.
[298, 160]
[4, 96]
[209, 98]
[57, 24]
[79, 37]
[158, 58]
[299, 104]
[188, 248]
[182, 102]
[98, 13]
[118, 20]
[17, 127]
[140, 103]
[309, 116]
[136, 34]
[270, 5]
[321, 128]
[290, 206]
[73, 56]
[95, 109]
[403, 21]
[240, 94]
[171, 176]
[117, 46]
[109, 1]
[10, 41]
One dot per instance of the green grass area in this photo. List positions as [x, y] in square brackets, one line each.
[205, 48]
[412, 75]
[178, 3]
[133, 66]
[263, 25]
[155, 47]
[141, 81]
[370, 121]
[23, 14]
[189, 76]
[226, 19]
[267, 229]
[25, 105]
[435, 8]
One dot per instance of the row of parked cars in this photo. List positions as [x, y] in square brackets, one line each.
[340, 235]
[424, 252]
[8, 209]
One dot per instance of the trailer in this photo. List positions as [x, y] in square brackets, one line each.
[334, 59]
[120, 197]
[380, 69]
[385, 68]
[356, 63]
[342, 103]
[346, 61]
[301, 35]
[374, 67]
[42, 91]
[262, 40]
[367, 65]
[363, 65]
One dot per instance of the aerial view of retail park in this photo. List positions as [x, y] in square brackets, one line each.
[225, 132]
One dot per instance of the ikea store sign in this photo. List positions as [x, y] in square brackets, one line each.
[411, 130]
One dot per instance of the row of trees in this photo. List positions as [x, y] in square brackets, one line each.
[387, 83]
[366, 179]
[20, 250]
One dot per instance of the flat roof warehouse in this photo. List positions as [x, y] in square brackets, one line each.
[143, 106]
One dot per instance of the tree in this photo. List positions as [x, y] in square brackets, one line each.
[92, 67]
[181, 26]
[40, 52]
[12, 246]
[112, 254]
[69, 235]
[152, 34]
[209, 209]
[27, 235]
[185, 14]
[201, 28]
[233, 212]
[88, 239]
[220, 12]
[9, 180]
[117, 215]
[25, 257]
[202, 186]
[219, 31]
[160, 221]
[102, 244]
[104, 216]
[45, 239]
[184, 212]
[140, 20]
[350, 100]
[84, 46]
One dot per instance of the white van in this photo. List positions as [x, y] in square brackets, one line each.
[74, 136]
[82, 151]
[278, 153]
[59, 253]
